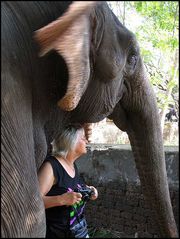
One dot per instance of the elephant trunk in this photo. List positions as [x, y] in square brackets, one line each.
[138, 115]
[147, 148]
[145, 134]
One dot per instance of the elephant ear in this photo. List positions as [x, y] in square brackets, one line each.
[69, 36]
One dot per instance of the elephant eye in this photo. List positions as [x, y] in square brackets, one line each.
[132, 59]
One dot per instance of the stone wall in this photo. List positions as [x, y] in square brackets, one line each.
[120, 205]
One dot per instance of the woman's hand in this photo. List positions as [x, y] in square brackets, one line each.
[95, 192]
[70, 198]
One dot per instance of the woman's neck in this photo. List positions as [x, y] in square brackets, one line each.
[68, 161]
[71, 157]
[68, 165]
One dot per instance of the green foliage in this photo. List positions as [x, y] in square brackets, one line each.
[163, 13]
[160, 31]
[99, 233]
[105, 233]
[162, 20]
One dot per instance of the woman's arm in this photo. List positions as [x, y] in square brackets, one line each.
[46, 181]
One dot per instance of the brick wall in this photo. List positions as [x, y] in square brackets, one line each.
[120, 205]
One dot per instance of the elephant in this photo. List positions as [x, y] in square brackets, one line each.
[71, 62]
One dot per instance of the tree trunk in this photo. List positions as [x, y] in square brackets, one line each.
[171, 84]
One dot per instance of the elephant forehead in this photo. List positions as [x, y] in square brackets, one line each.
[111, 57]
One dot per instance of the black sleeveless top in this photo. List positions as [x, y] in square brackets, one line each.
[62, 217]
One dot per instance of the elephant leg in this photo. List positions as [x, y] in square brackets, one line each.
[22, 210]
[40, 144]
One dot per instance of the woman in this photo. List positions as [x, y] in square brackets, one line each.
[59, 179]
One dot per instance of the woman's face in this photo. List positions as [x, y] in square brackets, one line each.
[80, 147]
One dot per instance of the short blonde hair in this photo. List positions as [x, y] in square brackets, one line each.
[66, 140]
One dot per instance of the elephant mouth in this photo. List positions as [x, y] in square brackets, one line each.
[92, 113]
[95, 107]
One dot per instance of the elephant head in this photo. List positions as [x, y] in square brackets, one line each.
[107, 78]
[96, 73]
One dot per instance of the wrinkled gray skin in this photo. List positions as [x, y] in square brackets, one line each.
[114, 85]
